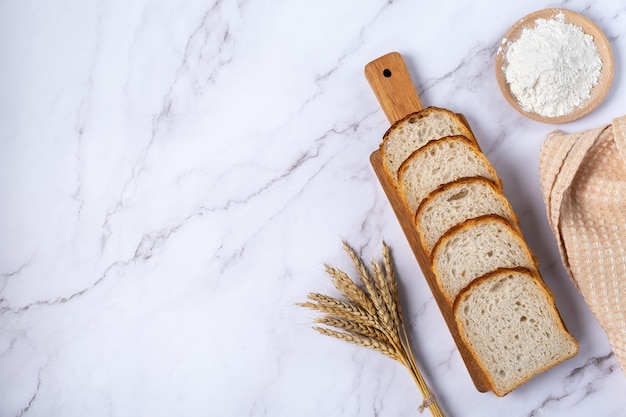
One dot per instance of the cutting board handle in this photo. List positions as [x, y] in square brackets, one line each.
[390, 79]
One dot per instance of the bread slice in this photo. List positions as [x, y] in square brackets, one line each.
[475, 247]
[456, 202]
[415, 130]
[511, 325]
[439, 162]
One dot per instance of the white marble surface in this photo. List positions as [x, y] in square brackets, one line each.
[173, 174]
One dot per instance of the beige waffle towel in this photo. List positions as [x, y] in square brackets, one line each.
[583, 181]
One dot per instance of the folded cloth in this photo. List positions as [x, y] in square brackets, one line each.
[583, 182]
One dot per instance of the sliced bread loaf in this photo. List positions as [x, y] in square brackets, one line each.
[439, 162]
[413, 131]
[510, 323]
[475, 247]
[456, 202]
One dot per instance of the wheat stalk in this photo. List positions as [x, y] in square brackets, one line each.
[357, 339]
[351, 327]
[370, 316]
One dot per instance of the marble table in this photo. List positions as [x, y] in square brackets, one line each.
[173, 174]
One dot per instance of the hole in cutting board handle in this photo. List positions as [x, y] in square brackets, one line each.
[389, 77]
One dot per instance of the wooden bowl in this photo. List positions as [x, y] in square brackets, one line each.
[598, 92]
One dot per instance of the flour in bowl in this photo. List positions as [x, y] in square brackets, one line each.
[552, 68]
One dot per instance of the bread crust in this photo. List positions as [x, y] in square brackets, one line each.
[436, 142]
[411, 118]
[444, 187]
[466, 225]
[465, 180]
[542, 286]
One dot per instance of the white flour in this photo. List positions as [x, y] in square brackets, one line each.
[552, 67]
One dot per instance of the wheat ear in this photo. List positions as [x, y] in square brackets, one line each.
[371, 316]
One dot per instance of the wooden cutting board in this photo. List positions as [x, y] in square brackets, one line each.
[389, 78]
